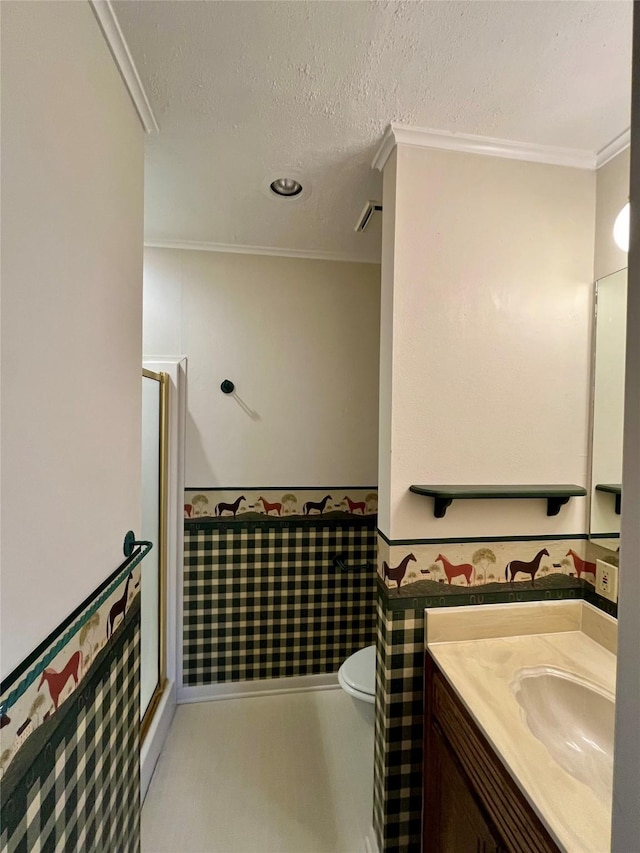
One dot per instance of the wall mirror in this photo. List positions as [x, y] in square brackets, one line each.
[608, 409]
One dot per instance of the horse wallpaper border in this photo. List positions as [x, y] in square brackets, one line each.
[281, 503]
[437, 571]
[95, 629]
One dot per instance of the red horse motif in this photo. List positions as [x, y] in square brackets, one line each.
[397, 574]
[529, 568]
[232, 508]
[56, 681]
[353, 507]
[452, 571]
[188, 509]
[277, 508]
[582, 566]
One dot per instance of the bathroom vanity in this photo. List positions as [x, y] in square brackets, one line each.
[519, 711]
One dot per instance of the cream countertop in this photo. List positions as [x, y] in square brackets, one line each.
[481, 650]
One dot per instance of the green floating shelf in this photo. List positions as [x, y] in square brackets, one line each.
[612, 489]
[443, 496]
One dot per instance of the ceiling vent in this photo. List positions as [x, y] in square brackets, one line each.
[364, 219]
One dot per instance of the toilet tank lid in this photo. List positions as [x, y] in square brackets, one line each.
[359, 670]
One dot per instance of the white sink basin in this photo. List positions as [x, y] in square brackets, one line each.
[574, 719]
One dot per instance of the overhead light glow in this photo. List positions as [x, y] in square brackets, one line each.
[621, 229]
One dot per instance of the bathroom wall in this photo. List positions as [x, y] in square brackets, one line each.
[281, 475]
[298, 337]
[491, 330]
[487, 304]
[72, 212]
[72, 204]
[279, 589]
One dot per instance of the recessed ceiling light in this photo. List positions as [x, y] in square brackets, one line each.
[286, 187]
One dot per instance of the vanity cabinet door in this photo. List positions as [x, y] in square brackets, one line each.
[471, 804]
[457, 823]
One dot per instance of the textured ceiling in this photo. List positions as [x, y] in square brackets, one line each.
[243, 91]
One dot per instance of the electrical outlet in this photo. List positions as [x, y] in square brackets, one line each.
[607, 580]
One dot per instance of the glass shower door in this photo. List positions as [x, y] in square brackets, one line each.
[152, 676]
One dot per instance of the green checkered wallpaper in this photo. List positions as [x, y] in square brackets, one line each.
[70, 771]
[272, 598]
[397, 796]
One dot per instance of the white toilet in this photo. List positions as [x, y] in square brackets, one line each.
[357, 677]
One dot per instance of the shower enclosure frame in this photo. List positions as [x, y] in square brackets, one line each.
[161, 545]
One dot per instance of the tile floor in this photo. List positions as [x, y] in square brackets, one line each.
[272, 774]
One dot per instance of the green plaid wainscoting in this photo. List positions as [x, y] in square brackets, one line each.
[74, 784]
[397, 792]
[265, 598]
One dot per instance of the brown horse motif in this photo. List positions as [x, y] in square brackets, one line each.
[455, 571]
[353, 507]
[232, 508]
[276, 507]
[56, 681]
[582, 566]
[318, 506]
[188, 510]
[529, 568]
[396, 574]
[119, 608]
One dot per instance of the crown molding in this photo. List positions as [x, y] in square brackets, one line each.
[419, 137]
[106, 17]
[269, 251]
[615, 147]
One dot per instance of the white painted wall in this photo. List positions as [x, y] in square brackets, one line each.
[612, 193]
[300, 340]
[72, 213]
[491, 332]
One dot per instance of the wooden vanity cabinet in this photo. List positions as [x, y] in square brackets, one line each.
[470, 802]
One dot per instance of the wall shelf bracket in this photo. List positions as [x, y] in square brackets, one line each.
[614, 489]
[443, 496]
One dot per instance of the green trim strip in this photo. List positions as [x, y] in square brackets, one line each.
[42, 664]
[474, 598]
[211, 522]
[582, 590]
[546, 537]
[274, 488]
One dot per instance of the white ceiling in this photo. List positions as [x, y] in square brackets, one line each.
[243, 91]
